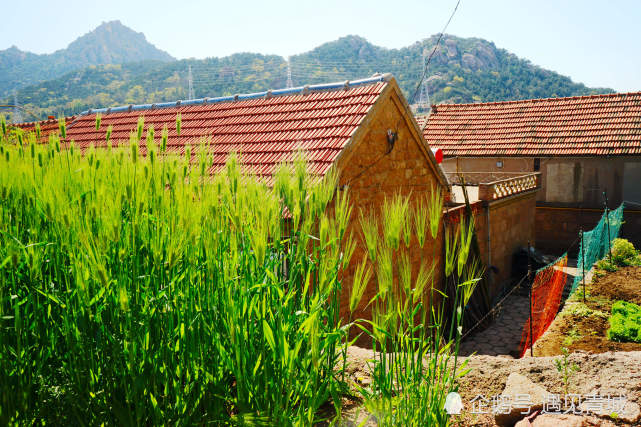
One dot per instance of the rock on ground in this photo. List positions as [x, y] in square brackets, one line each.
[564, 420]
[612, 373]
[520, 385]
[630, 413]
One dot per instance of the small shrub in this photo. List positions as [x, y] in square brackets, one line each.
[565, 368]
[605, 265]
[572, 336]
[623, 253]
[625, 322]
[582, 310]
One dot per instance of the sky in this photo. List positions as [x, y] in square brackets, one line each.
[595, 42]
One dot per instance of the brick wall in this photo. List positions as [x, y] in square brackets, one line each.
[370, 172]
[571, 195]
[512, 225]
[577, 182]
[558, 227]
[488, 164]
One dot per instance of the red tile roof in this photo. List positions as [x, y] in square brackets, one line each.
[46, 127]
[421, 120]
[265, 129]
[577, 126]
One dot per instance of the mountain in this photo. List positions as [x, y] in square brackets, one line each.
[110, 43]
[461, 70]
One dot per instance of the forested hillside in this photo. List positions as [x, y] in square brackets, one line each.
[110, 43]
[462, 70]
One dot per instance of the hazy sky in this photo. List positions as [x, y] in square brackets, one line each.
[595, 42]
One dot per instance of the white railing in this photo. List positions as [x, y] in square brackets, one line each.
[506, 187]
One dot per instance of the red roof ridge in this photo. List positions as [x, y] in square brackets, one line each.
[264, 130]
[45, 121]
[301, 90]
[590, 125]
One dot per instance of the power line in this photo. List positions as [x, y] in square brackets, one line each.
[283, 64]
[14, 106]
[290, 84]
[438, 41]
[17, 116]
[191, 85]
[293, 63]
[296, 66]
[423, 104]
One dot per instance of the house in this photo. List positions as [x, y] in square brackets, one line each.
[364, 130]
[582, 146]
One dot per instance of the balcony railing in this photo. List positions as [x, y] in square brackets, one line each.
[493, 185]
[509, 186]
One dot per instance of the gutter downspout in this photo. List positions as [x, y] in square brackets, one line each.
[489, 242]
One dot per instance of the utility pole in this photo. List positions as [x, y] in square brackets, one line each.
[290, 84]
[17, 115]
[423, 103]
[190, 79]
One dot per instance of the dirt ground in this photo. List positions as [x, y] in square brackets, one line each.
[604, 374]
[605, 367]
[582, 326]
[624, 284]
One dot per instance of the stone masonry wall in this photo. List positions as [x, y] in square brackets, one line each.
[512, 225]
[370, 172]
[577, 182]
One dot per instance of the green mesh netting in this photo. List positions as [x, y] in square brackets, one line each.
[595, 243]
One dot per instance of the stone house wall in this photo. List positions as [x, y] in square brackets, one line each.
[511, 226]
[370, 172]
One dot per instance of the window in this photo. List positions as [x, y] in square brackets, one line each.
[499, 164]
[537, 165]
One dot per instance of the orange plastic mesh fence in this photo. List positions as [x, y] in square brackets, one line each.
[547, 290]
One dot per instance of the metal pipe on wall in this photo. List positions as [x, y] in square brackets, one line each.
[489, 240]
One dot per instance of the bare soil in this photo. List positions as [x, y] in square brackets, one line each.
[578, 329]
[624, 284]
[603, 374]
[605, 367]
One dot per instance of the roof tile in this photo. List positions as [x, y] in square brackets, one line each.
[586, 126]
[264, 130]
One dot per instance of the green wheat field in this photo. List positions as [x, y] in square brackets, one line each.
[145, 290]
